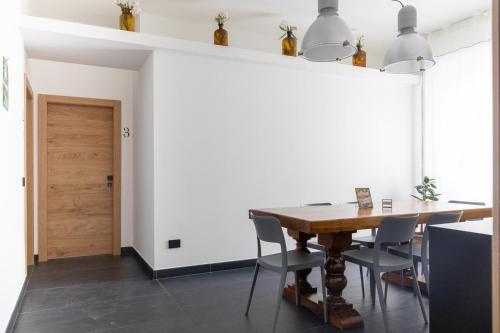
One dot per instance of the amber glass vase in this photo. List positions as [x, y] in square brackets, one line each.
[221, 36]
[289, 45]
[127, 22]
[359, 59]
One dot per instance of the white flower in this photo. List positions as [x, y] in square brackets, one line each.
[284, 25]
[136, 10]
[222, 17]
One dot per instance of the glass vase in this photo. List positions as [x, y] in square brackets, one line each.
[359, 59]
[221, 36]
[289, 45]
[127, 22]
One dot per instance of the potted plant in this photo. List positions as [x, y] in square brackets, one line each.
[129, 11]
[288, 44]
[427, 190]
[221, 36]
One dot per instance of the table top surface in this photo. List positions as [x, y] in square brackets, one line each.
[335, 218]
[483, 227]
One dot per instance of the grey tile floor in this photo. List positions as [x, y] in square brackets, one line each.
[112, 294]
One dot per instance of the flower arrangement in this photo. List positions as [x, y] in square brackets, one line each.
[287, 28]
[128, 8]
[222, 18]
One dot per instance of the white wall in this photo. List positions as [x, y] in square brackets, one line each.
[234, 135]
[144, 162]
[12, 230]
[461, 34]
[65, 79]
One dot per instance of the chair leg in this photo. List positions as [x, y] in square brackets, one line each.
[383, 305]
[402, 278]
[425, 269]
[297, 291]
[386, 286]
[256, 272]
[323, 289]
[362, 280]
[372, 286]
[415, 264]
[280, 296]
[419, 295]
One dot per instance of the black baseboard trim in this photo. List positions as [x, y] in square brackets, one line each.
[129, 251]
[15, 313]
[187, 270]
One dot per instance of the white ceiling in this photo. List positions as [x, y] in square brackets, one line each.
[376, 19]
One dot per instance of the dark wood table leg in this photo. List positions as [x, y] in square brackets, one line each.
[341, 314]
[304, 286]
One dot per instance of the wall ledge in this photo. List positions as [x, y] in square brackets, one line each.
[56, 40]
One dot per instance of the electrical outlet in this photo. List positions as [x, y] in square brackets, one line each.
[174, 243]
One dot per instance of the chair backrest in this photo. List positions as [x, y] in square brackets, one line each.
[268, 229]
[319, 204]
[395, 230]
[435, 219]
[467, 203]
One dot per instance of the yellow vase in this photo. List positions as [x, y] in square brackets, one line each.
[127, 22]
[221, 36]
[289, 45]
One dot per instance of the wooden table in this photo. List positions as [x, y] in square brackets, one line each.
[334, 226]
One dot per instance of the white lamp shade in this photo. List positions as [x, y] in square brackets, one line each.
[328, 38]
[409, 53]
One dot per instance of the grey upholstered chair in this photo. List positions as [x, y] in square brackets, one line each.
[269, 230]
[421, 251]
[368, 241]
[392, 230]
[318, 247]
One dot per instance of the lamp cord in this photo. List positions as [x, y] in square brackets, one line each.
[402, 5]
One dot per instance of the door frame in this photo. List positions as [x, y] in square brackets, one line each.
[496, 169]
[29, 191]
[43, 101]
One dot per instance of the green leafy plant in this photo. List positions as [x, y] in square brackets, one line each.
[427, 190]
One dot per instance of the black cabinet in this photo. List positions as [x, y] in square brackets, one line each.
[460, 277]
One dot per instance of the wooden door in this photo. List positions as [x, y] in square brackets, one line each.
[80, 157]
[29, 192]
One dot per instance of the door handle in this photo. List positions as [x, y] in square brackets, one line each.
[109, 182]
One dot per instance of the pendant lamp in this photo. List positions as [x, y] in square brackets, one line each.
[328, 38]
[409, 53]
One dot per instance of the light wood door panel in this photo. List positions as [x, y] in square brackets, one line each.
[29, 143]
[79, 155]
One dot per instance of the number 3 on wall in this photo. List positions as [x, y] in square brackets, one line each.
[126, 132]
